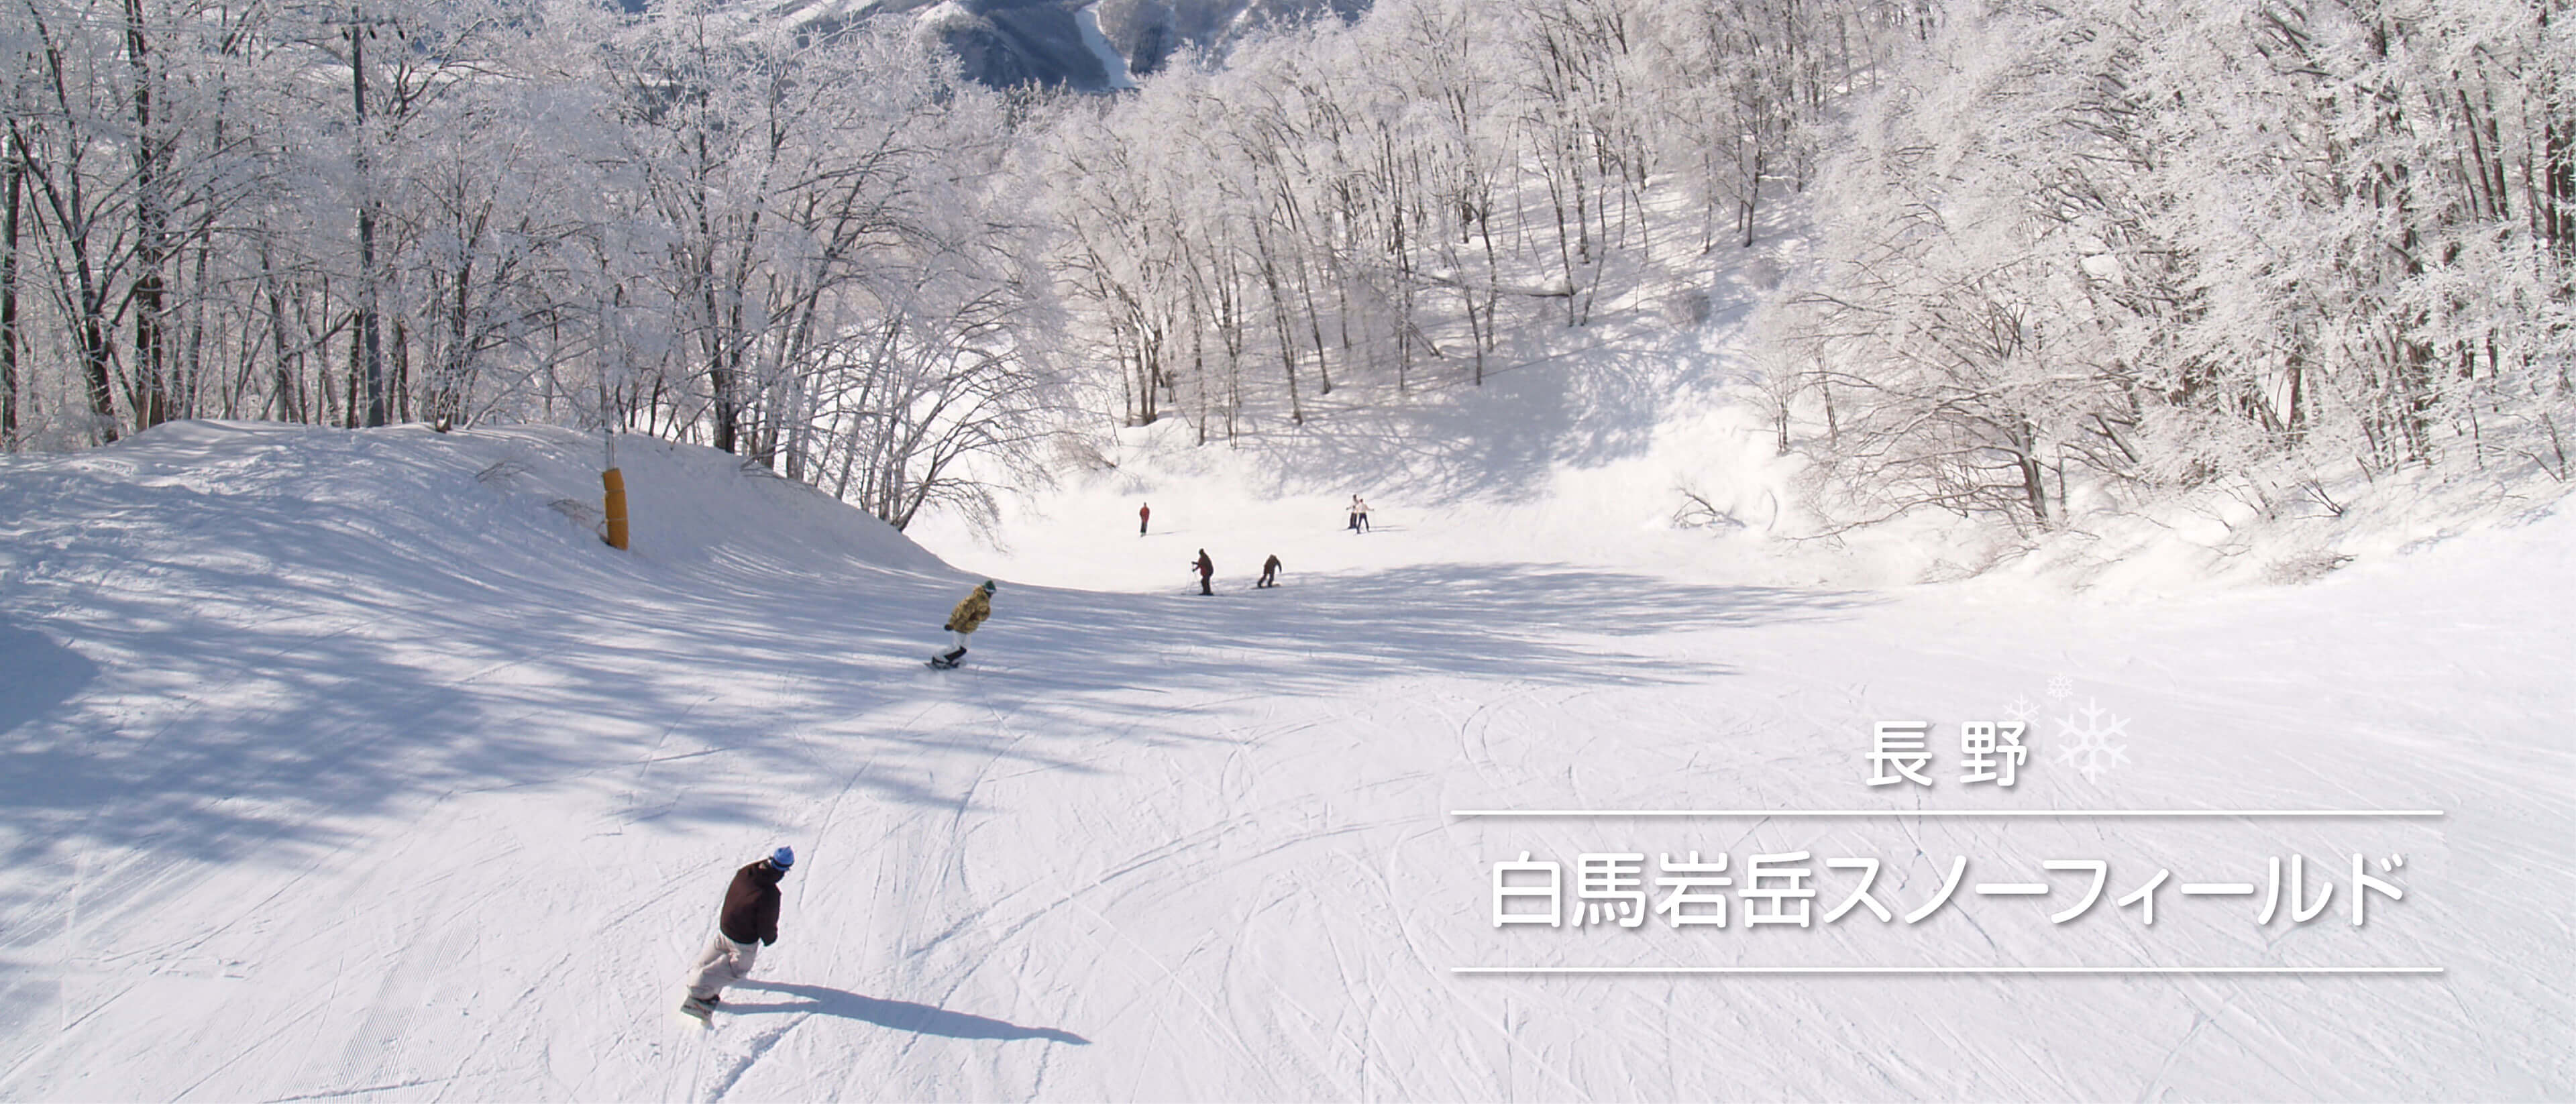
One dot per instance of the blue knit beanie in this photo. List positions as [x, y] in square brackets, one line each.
[783, 858]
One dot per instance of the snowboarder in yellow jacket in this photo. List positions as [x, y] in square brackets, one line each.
[970, 612]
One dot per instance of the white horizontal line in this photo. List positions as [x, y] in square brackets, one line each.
[2013, 889]
[1945, 969]
[2091, 813]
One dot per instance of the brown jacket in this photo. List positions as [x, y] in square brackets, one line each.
[971, 611]
[751, 904]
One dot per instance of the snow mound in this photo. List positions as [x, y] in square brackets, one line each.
[502, 500]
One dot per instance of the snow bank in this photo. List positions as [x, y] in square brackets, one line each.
[500, 502]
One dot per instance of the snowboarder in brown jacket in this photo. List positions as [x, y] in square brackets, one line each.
[962, 621]
[748, 922]
[1269, 572]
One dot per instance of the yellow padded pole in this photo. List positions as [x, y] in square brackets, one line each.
[615, 480]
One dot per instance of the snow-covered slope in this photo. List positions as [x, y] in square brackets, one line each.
[347, 765]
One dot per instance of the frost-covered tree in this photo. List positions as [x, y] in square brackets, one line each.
[826, 239]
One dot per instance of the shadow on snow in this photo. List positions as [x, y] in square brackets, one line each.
[290, 662]
[920, 1019]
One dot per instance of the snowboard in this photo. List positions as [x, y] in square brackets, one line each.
[937, 664]
[697, 1014]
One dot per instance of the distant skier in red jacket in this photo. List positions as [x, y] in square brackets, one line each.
[1144, 514]
[1206, 569]
[748, 922]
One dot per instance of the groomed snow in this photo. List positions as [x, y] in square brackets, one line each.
[348, 765]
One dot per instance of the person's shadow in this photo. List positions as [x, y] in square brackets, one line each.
[920, 1019]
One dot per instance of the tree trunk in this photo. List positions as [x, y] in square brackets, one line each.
[13, 167]
[150, 382]
[370, 303]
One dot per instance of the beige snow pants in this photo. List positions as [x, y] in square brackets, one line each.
[723, 963]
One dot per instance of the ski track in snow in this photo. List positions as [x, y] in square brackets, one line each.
[338, 772]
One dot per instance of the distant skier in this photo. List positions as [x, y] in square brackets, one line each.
[1269, 572]
[1144, 513]
[970, 612]
[1206, 569]
[1359, 513]
[748, 922]
[1354, 518]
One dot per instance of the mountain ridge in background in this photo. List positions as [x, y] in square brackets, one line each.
[1012, 43]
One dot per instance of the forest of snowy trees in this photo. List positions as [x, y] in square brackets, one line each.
[2063, 255]
[699, 224]
[2129, 248]
[1379, 204]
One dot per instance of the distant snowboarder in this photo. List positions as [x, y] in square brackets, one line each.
[1359, 513]
[1206, 569]
[1354, 519]
[970, 612]
[1144, 513]
[1269, 572]
[748, 922]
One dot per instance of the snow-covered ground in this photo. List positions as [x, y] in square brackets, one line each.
[350, 764]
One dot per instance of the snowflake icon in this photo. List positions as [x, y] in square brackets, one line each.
[2089, 748]
[2061, 687]
[2021, 709]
